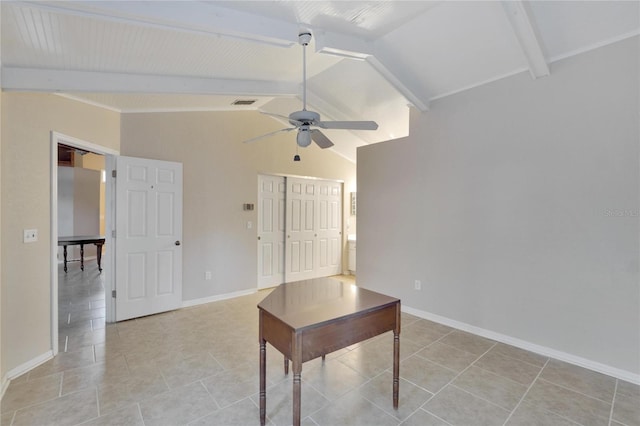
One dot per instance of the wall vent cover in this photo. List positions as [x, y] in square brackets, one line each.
[244, 102]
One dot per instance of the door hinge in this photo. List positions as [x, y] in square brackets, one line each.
[113, 233]
[113, 294]
[114, 173]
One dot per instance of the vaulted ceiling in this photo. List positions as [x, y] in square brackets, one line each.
[368, 60]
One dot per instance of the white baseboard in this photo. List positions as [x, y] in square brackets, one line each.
[532, 347]
[195, 302]
[23, 368]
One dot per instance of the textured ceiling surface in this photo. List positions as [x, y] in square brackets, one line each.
[368, 60]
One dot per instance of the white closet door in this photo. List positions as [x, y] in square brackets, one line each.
[301, 230]
[271, 230]
[329, 228]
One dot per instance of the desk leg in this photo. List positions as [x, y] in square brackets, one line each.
[99, 255]
[64, 250]
[263, 378]
[297, 382]
[82, 257]
[286, 366]
[396, 368]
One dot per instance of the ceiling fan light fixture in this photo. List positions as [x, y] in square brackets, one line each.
[304, 137]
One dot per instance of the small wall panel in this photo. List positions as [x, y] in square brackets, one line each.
[165, 272]
[136, 276]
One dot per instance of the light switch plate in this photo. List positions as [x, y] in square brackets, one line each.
[30, 236]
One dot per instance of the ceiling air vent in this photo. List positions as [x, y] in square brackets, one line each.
[244, 102]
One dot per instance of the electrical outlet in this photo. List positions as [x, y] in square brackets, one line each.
[417, 285]
[207, 275]
[30, 236]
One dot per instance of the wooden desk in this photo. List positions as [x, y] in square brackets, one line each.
[81, 241]
[308, 319]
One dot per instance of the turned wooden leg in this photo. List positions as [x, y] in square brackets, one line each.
[297, 392]
[396, 356]
[296, 360]
[396, 368]
[263, 371]
[99, 255]
[64, 251]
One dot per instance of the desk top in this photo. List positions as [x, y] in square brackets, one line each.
[315, 302]
[85, 239]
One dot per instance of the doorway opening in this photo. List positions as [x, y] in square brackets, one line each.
[81, 205]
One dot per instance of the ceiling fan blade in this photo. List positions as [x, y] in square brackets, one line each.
[319, 138]
[283, 117]
[351, 125]
[257, 138]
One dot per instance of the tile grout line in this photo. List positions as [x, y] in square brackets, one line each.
[60, 386]
[613, 401]
[373, 402]
[458, 375]
[525, 393]
[140, 412]
[576, 391]
[97, 401]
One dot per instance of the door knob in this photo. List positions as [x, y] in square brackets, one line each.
[258, 238]
[177, 243]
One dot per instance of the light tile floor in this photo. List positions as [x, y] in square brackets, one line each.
[199, 366]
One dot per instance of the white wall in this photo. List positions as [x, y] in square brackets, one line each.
[516, 204]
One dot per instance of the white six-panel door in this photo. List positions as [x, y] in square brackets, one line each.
[271, 230]
[329, 226]
[148, 237]
[301, 230]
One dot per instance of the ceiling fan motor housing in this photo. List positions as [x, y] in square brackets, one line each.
[304, 38]
[304, 117]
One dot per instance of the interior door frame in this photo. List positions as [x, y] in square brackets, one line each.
[108, 259]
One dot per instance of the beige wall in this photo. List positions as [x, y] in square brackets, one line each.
[220, 174]
[27, 120]
[517, 206]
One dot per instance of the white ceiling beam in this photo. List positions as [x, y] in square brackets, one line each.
[342, 45]
[524, 30]
[410, 94]
[189, 16]
[45, 80]
[358, 48]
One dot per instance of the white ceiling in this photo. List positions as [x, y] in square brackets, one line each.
[369, 60]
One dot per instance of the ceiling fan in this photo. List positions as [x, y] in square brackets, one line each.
[308, 123]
